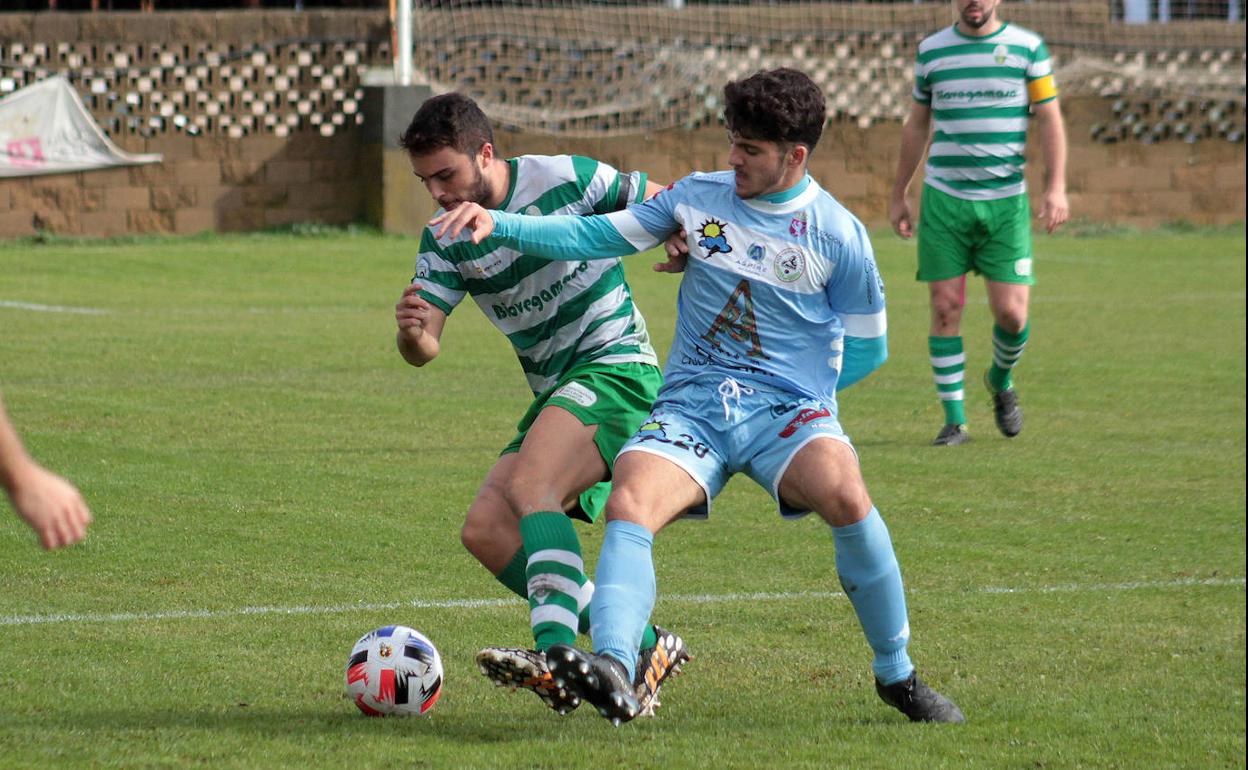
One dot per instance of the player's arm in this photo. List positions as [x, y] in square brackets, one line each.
[1055, 208]
[564, 238]
[653, 189]
[420, 324]
[861, 356]
[856, 294]
[676, 246]
[914, 135]
[52, 506]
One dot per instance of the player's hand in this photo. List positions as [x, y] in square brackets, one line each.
[677, 248]
[1055, 210]
[412, 312]
[50, 505]
[466, 215]
[900, 217]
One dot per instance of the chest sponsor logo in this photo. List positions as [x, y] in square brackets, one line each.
[979, 95]
[797, 225]
[790, 265]
[538, 301]
[714, 238]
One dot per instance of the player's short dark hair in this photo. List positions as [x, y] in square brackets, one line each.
[781, 105]
[448, 120]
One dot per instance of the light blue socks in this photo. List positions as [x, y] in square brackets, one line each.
[624, 596]
[872, 580]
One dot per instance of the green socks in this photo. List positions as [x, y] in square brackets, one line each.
[555, 575]
[1006, 350]
[515, 577]
[948, 371]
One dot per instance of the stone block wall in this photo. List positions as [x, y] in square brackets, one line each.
[295, 152]
[256, 182]
[204, 183]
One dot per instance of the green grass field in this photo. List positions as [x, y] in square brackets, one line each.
[270, 481]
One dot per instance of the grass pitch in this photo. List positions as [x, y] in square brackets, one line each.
[270, 481]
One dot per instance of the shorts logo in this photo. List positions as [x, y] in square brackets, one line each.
[422, 267]
[790, 264]
[714, 237]
[577, 394]
[1022, 267]
[797, 225]
[654, 430]
[803, 417]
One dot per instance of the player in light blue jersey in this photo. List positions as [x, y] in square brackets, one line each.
[780, 306]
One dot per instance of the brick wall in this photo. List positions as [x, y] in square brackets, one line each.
[1127, 183]
[204, 183]
[259, 178]
[213, 183]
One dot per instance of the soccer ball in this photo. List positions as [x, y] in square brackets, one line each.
[394, 670]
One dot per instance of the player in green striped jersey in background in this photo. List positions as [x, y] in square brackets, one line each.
[979, 82]
[585, 352]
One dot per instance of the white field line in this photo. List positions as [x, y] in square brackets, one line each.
[329, 609]
[51, 308]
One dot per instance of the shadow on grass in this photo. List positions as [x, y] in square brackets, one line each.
[307, 723]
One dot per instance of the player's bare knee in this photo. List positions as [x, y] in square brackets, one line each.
[947, 311]
[475, 538]
[625, 504]
[1012, 320]
[526, 494]
[840, 509]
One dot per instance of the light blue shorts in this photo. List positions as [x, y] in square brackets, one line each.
[715, 429]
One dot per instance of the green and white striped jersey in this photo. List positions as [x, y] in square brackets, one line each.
[557, 315]
[980, 90]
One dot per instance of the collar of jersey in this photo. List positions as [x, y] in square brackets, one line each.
[513, 165]
[807, 190]
[979, 38]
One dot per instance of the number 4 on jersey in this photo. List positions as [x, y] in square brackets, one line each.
[737, 320]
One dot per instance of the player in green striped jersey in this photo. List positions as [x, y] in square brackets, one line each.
[980, 82]
[585, 353]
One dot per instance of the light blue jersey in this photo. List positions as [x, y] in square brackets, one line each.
[780, 305]
[783, 296]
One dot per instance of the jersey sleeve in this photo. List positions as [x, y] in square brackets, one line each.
[922, 92]
[856, 295]
[1041, 87]
[608, 189]
[439, 279]
[569, 238]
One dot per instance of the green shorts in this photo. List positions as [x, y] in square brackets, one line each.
[958, 236]
[615, 397]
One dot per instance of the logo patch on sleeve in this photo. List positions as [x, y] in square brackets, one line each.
[577, 394]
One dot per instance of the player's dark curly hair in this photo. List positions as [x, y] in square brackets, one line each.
[448, 120]
[781, 105]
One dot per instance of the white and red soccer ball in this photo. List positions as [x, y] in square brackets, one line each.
[394, 670]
